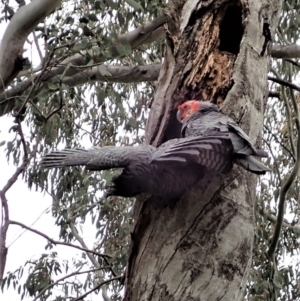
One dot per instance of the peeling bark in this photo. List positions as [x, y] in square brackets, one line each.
[201, 248]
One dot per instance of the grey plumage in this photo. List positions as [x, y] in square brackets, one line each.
[207, 120]
[166, 171]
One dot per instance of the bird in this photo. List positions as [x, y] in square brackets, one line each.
[166, 171]
[202, 118]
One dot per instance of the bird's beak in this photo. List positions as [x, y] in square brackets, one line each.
[179, 116]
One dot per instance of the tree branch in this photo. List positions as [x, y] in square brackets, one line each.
[101, 73]
[97, 287]
[286, 185]
[92, 259]
[56, 242]
[293, 62]
[274, 159]
[4, 202]
[3, 232]
[284, 83]
[279, 142]
[19, 170]
[273, 219]
[115, 74]
[151, 31]
[63, 278]
[274, 94]
[144, 34]
[78, 60]
[288, 111]
[285, 52]
[21, 25]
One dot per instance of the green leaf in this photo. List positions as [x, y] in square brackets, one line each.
[134, 4]
[69, 20]
[120, 18]
[97, 4]
[43, 95]
[131, 124]
[55, 99]
[93, 17]
[87, 32]
[277, 280]
[80, 46]
[112, 4]
[84, 20]
[9, 146]
[124, 49]
[52, 86]
[39, 118]
[68, 79]
[101, 96]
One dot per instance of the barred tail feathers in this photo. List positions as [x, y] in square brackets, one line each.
[251, 164]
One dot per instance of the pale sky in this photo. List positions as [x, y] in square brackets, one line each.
[25, 206]
[29, 207]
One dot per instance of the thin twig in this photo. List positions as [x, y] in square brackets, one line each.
[279, 142]
[35, 82]
[37, 46]
[284, 83]
[146, 33]
[274, 159]
[4, 228]
[4, 201]
[60, 95]
[63, 278]
[273, 219]
[14, 177]
[91, 258]
[274, 94]
[293, 62]
[37, 109]
[289, 115]
[97, 287]
[56, 242]
[76, 235]
[20, 131]
[289, 122]
[285, 188]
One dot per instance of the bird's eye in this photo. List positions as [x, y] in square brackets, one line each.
[185, 106]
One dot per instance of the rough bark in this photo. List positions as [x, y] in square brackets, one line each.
[200, 248]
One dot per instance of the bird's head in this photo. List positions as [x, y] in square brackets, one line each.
[189, 107]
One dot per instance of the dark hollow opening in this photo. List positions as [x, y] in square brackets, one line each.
[231, 30]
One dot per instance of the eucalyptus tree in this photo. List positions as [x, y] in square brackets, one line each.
[114, 72]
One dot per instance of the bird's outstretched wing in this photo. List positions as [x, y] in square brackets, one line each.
[213, 152]
[97, 158]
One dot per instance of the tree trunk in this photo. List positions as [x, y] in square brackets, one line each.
[200, 248]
